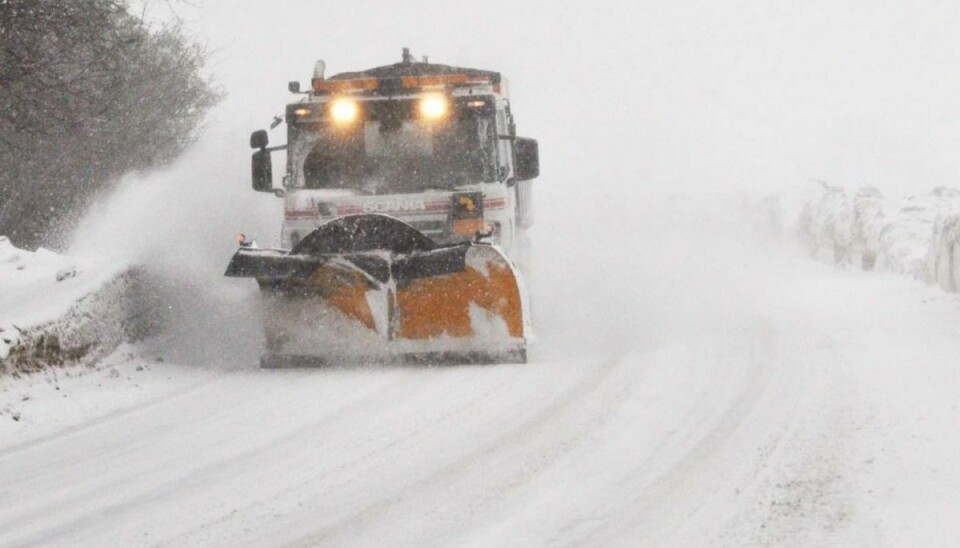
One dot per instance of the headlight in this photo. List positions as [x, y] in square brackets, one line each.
[434, 107]
[344, 111]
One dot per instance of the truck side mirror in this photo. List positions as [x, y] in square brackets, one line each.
[293, 87]
[528, 159]
[262, 170]
[259, 139]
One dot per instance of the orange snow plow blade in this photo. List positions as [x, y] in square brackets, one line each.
[456, 303]
[345, 291]
[480, 300]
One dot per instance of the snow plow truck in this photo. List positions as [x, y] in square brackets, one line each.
[406, 194]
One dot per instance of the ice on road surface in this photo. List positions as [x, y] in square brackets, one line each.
[708, 386]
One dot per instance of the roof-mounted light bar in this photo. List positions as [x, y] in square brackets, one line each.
[367, 84]
[444, 80]
[340, 86]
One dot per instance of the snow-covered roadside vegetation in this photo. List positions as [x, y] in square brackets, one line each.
[89, 91]
[916, 235]
[57, 310]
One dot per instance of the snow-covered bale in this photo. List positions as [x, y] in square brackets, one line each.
[943, 257]
[917, 235]
[828, 224]
[868, 223]
[57, 310]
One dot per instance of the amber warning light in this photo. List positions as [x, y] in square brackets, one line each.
[467, 214]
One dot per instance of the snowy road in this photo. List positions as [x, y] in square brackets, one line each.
[774, 402]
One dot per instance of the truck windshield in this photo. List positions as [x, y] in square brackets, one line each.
[389, 151]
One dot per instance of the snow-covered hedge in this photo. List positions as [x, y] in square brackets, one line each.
[57, 310]
[917, 235]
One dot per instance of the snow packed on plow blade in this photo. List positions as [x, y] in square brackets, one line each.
[372, 288]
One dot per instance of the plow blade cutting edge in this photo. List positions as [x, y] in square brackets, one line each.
[372, 287]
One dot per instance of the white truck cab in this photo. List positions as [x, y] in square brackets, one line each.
[432, 145]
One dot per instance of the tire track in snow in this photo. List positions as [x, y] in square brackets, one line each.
[356, 454]
[132, 483]
[670, 484]
[767, 447]
[136, 485]
[530, 432]
[83, 427]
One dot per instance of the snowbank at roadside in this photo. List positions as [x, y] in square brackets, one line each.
[915, 235]
[58, 310]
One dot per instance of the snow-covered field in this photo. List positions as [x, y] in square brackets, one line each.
[718, 388]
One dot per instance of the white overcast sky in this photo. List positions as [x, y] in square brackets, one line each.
[656, 95]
